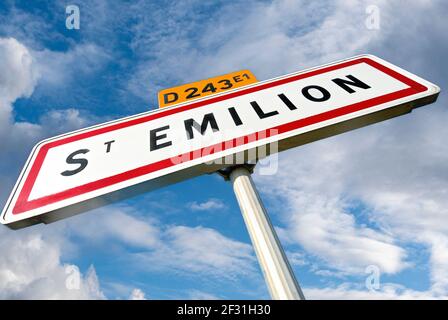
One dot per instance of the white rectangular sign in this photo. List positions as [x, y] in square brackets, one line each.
[91, 167]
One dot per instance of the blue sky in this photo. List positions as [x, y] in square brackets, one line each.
[376, 196]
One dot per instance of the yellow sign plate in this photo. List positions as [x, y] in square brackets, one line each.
[204, 88]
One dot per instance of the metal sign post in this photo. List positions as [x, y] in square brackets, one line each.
[274, 264]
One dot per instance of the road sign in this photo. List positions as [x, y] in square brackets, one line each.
[88, 168]
[200, 89]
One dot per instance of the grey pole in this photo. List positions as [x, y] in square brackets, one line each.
[277, 272]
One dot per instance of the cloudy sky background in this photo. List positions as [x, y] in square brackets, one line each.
[377, 196]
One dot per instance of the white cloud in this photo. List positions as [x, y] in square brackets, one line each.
[324, 228]
[30, 268]
[296, 258]
[62, 68]
[115, 224]
[348, 291]
[201, 295]
[202, 250]
[209, 205]
[137, 294]
[19, 75]
[194, 251]
[17, 79]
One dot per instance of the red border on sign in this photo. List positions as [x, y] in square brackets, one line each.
[23, 205]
